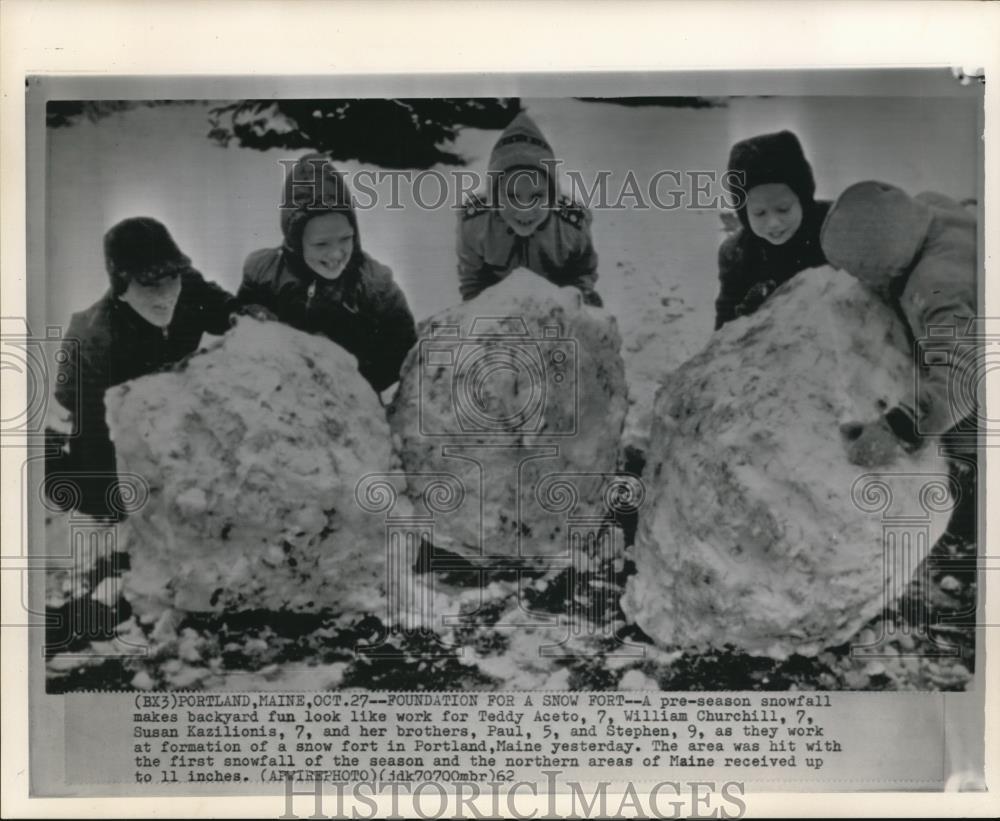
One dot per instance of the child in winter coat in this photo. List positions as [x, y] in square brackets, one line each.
[154, 315]
[920, 254]
[521, 222]
[321, 281]
[779, 223]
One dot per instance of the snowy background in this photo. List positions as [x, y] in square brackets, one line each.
[222, 203]
[657, 269]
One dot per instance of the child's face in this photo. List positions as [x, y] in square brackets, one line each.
[155, 303]
[774, 212]
[522, 200]
[327, 244]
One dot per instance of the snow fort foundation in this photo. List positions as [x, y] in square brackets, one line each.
[252, 450]
[757, 532]
[517, 399]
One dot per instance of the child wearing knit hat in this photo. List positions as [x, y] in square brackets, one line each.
[522, 222]
[779, 223]
[919, 253]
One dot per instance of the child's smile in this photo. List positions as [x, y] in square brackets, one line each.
[774, 212]
[327, 244]
[522, 200]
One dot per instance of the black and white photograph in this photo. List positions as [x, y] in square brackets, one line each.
[508, 393]
[552, 428]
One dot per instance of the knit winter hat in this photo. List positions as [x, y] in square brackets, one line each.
[874, 231]
[770, 158]
[141, 249]
[313, 186]
[521, 145]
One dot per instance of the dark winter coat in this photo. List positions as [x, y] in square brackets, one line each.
[363, 310]
[116, 345]
[746, 260]
[749, 266]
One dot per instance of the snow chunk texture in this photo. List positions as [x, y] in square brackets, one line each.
[755, 533]
[252, 450]
[516, 400]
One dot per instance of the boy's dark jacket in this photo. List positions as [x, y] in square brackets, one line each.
[116, 345]
[363, 310]
[746, 260]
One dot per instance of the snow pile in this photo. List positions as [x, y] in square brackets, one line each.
[78, 548]
[660, 331]
[516, 401]
[754, 532]
[253, 450]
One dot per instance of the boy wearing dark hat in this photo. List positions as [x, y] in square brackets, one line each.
[780, 221]
[321, 281]
[522, 222]
[920, 254]
[154, 315]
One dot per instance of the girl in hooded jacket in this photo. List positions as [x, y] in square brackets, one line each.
[321, 281]
[780, 222]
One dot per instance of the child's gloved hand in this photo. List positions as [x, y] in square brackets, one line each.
[755, 297]
[591, 297]
[58, 420]
[871, 445]
[255, 311]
